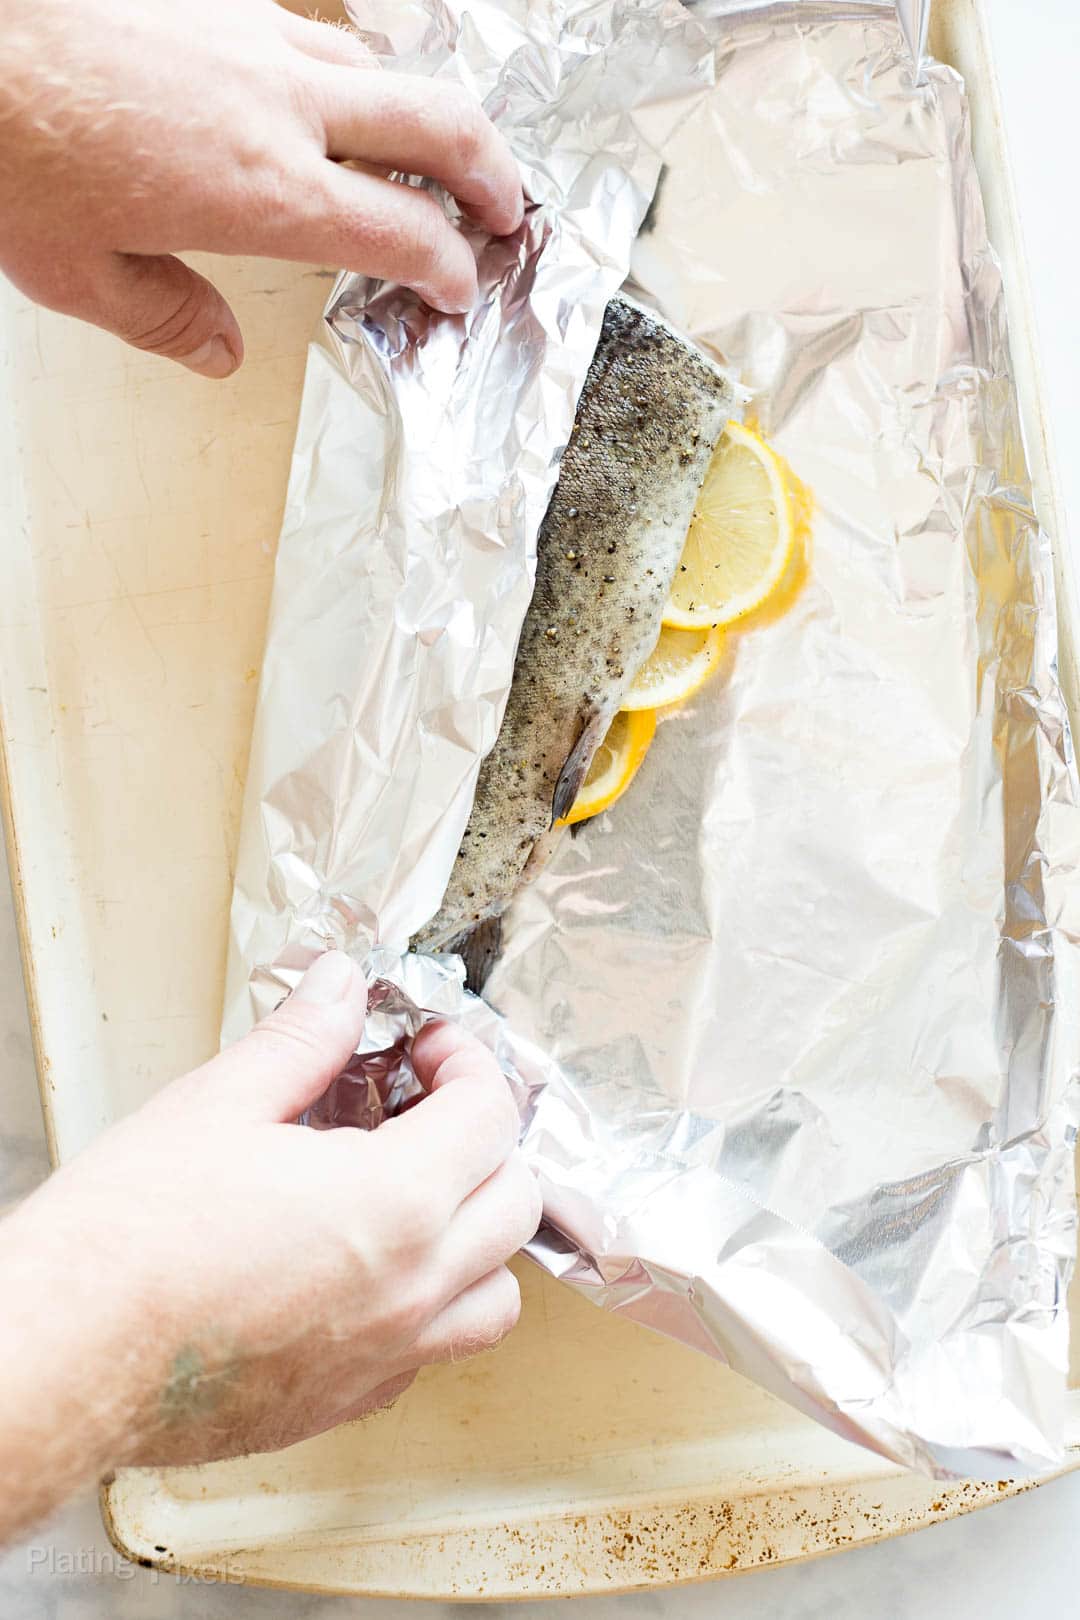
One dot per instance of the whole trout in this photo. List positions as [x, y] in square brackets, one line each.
[649, 415]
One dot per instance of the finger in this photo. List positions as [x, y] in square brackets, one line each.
[490, 1226]
[426, 128]
[377, 227]
[456, 1138]
[440, 1040]
[326, 41]
[287, 1061]
[477, 1320]
[160, 305]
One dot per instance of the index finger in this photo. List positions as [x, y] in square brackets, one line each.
[443, 1051]
[420, 126]
[467, 1127]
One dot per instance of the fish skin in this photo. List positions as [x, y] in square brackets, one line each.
[648, 418]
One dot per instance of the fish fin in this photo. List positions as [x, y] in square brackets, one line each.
[478, 948]
[578, 760]
[648, 224]
[542, 852]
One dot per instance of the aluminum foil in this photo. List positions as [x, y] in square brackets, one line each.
[794, 1026]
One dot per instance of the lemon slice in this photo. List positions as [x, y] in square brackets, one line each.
[741, 537]
[679, 663]
[615, 763]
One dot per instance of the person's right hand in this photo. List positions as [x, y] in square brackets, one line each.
[129, 133]
[255, 1281]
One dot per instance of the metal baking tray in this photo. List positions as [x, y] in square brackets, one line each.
[139, 509]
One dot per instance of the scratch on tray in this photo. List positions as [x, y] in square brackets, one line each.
[228, 818]
[62, 481]
[396, 1439]
[148, 1018]
[166, 590]
[139, 620]
[139, 468]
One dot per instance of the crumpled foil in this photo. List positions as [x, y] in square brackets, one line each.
[793, 1028]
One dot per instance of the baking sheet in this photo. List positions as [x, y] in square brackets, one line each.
[156, 524]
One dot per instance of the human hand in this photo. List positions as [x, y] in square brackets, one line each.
[128, 133]
[242, 1281]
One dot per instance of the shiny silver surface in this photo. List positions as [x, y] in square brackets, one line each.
[795, 1023]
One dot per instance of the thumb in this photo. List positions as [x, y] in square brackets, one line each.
[287, 1061]
[161, 305]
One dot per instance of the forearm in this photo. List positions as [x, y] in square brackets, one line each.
[209, 1278]
[79, 1360]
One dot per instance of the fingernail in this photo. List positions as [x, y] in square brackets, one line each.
[438, 299]
[213, 359]
[328, 979]
[514, 217]
[446, 306]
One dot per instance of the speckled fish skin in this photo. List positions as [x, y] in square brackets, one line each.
[649, 415]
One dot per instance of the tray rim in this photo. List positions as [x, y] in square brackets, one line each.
[583, 1537]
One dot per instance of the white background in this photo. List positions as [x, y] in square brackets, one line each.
[1019, 1559]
